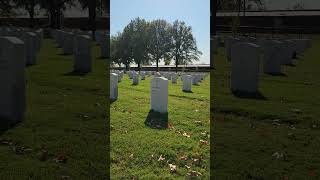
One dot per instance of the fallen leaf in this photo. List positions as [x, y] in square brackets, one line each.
[61, 158]
[194, 174]
[186, 135]
[277, 155]
[203, 142]
[131, 156]
[188, 167]
[173, 168]
[184, 157]
[65, 177]
[161, 158]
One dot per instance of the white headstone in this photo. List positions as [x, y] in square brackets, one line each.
[82, 54]
[174, 78]
[113, 86]
[273, 56]
[12, 79]
[143, 75]
[135, 78]
[187, 80]
[245, 67]
[159, 94]
[68, 43]
[30, 40]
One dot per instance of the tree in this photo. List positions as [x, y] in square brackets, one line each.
[298, 6]
[115, 52]
[6, 8]
[213, 14]
[233, 5]
[121, 50]
[184, 48]
[29, 6]
[54, 9]
[137, 32]
[93, 6]
[159, 39]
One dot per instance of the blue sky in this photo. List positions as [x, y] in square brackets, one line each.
[196, 13]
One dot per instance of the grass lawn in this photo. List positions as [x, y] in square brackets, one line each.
[272, 138]
[142, 151]
[63, 135]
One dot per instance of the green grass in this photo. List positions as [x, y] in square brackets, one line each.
[136, 147]
[65, 116]
[248, 132]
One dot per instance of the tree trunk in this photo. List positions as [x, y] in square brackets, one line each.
[31, 14]
[157, 65]
[92, 17]
[239, 8]
[177, 64]
[244, 8]
[214, 18]
[58, 19]
[139, 67]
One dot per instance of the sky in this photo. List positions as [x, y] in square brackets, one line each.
[195, 13]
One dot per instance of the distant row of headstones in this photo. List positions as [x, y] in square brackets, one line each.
[247, 54]
[78, 43]
[159, 85]
[18, 49]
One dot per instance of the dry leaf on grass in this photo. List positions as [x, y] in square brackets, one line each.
[61, 158]
[204, 142]
[173, 168]
[186, 135]
[194, 174]
[131, 156]
[184, 157]
[161, 158]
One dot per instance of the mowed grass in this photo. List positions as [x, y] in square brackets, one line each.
[272, 138]
[136, 148]
[63, 135]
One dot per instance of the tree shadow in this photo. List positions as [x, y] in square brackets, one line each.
[277, 74]
[112, 101]
[249, 95]
[291, 65]
[157, 120]
[30, 65]
[3, 127]
[102, 58]
[187, 91]
[75, 73]
[64, 54]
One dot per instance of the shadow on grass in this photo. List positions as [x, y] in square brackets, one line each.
[277, 74]
[29, 65]
[157, 120]
[112, 101]
[291, 65]
[102, 58]
[248, 95]
[64, 54]
[75, 73]
[187, 91]
[4, 125]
